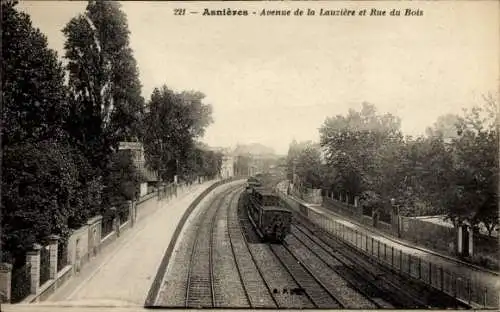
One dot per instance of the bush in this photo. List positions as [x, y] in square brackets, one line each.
[41, 192]
[120, 183]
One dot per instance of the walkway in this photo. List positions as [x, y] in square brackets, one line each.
[122, 274]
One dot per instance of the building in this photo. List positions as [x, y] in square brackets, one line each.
[227, 167]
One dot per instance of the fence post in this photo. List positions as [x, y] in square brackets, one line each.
[33, 258]
[430, 273]
[485, 296]
[131, 212]
[372, 246]
[53, 239]
[5, 282]
[419, 268]
[385, 252]
[392, 256]
[441, 273]
[400, 261]
[455, 285]
[378, 249]
[469, 288]
[409, 264]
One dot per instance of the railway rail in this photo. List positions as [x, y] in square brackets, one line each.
[221, 263]
[399, 291]
[258, 291]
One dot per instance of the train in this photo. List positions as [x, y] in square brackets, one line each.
[267, 212]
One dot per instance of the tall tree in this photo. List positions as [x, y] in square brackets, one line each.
[33, 91]
[354, 142]
[42, 189]
[105, 90]
[476, 167]
[173, 123]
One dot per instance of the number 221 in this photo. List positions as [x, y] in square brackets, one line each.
[179, 11]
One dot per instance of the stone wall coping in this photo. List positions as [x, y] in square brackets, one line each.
[35, 249]
[80, 229]
[53, 238]
[5, 267]
[94, 220]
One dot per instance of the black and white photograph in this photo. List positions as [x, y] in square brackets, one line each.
[279, 155]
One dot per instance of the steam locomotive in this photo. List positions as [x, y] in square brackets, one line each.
[267, 212]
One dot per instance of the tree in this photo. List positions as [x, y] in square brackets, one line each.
[33, 91]
[173, 123]
[476, 160]
[306, 158]
[103, 80]
[445, 127]
[353, 143]
[42, 194]
[42, 189]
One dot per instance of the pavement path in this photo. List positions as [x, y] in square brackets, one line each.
[122, 273]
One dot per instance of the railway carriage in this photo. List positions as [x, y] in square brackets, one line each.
[268, 214]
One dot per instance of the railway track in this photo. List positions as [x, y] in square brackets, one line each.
[199, 286]
[258, 292]
[221, 263]
[316, 291]
[399, 292]
[274, 276]
[229, 286]
[353, 286]
[175, 288]
[350, 295]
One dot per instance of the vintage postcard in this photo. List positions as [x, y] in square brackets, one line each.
[249, 155]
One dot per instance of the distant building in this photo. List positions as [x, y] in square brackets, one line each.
[227, 168]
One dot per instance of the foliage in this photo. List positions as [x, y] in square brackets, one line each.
[33, 91]
[452, 171]
[104, 86]
[104, 93]
[359, 146]
[172, 124]
[44, 184]
[201, 162]
[476, 162]
[121, 179]
[305, 161]
[41, 194]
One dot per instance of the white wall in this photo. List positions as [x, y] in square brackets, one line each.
[144, 189]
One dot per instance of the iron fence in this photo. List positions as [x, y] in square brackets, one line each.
[44, 264]
[20, 283]
[123, 212]
[107, 225]
[62, 255]
[167, 191]
[459, 286]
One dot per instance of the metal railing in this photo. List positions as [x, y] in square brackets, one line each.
[167, 191]
[406, 264]
[62, 255]
[107, 225]
[44, 264]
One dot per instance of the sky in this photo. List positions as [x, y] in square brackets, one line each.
[272, 79]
